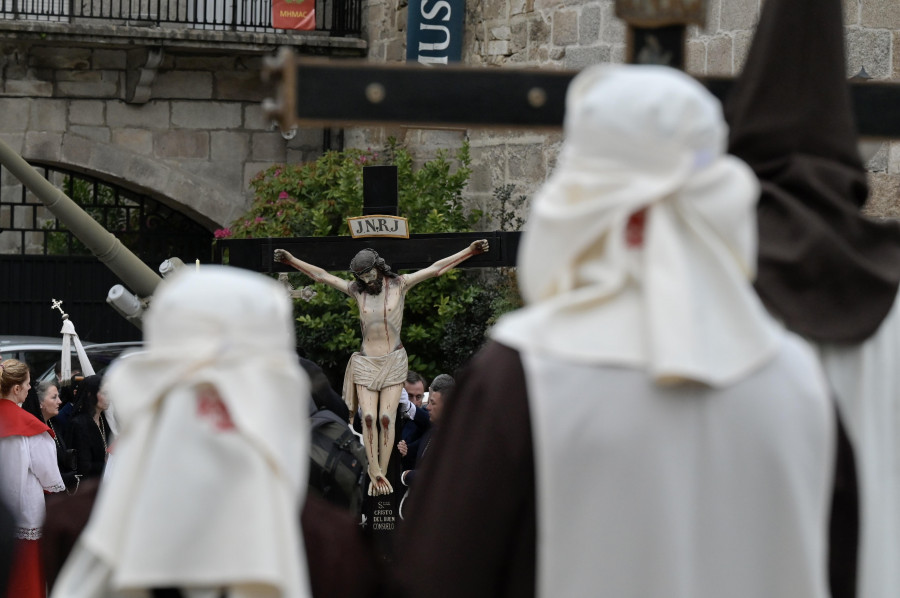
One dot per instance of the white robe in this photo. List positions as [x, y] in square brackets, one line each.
[648, 491]
[27, 468]
[866, 381]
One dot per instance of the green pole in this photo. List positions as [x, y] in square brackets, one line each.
[134, 273]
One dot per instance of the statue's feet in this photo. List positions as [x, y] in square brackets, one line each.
[379, 486]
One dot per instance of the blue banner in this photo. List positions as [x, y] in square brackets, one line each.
[434, 31]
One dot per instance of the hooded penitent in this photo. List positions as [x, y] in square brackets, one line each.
[826, 271]
[679, 302]
[679, 432]
[210, 466]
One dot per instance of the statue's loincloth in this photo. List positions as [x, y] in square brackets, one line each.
[374, 373]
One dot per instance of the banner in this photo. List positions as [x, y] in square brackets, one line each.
[294, 14]
[434, 31]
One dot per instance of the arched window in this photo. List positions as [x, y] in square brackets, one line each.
[149, 228]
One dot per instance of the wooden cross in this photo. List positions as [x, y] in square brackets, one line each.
[335, 253]
[356, 93]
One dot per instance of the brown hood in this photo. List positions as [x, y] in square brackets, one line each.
[828, 272]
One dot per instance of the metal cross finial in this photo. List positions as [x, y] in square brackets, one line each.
[57, 304]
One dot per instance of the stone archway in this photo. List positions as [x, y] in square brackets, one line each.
[198, 197]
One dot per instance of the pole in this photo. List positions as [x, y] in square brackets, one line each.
[103, 244]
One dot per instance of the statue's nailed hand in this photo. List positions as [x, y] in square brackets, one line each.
[282, 256]
[479, 246]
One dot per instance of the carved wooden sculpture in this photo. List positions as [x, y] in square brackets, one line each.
[376, 373]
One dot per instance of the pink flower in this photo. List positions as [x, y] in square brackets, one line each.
[277, 171]
[283, 195]
[259, 219]
[222, 233]
[280, 212]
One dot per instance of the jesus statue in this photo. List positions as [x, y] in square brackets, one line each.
[375, 374]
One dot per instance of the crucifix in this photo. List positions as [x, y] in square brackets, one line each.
[57, 304]
[375, 375]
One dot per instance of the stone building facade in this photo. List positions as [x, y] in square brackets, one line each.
[160, 127]
[173, 114]
[572, 34]
[177, 114]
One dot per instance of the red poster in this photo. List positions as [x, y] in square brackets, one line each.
[294, 14]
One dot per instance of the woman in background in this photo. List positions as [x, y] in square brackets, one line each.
[44, 404]
[27, 470]
[69, 401]
[90, 433]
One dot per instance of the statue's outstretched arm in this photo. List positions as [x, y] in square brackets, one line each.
[441, 266]
[314, 272]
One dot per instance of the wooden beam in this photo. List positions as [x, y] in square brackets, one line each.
[355, 93]
[318, 92]
[335, 253]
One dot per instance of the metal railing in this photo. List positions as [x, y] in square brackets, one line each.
[337, 17]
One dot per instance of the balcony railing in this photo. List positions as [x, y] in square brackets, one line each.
[337, 17]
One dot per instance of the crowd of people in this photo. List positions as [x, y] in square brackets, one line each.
[47, 446]
[698, 400]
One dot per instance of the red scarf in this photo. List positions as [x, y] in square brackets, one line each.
[15, 421]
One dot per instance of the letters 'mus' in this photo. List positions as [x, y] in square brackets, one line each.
[442, 32]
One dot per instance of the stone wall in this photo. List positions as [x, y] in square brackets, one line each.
[196, 143]
[201, 134]
[572, 34]
[193, 141]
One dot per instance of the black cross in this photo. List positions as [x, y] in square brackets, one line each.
[335, 253]
[342, 92]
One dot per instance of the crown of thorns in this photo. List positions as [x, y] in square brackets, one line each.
[365, 260]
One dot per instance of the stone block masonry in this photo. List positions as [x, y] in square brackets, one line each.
[195, 141]
[572, 34]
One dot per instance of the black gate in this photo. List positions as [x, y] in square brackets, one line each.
[41, 260]
[30, 282]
